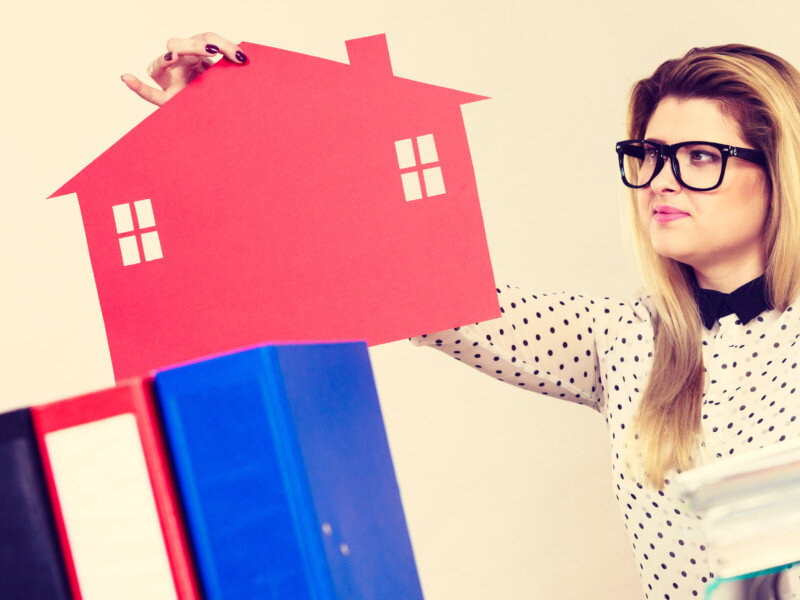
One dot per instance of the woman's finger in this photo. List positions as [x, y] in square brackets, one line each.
[157, 69]
[151, 94]
[227, 48]
[193, 46]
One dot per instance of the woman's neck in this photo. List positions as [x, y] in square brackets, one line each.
[726, 279]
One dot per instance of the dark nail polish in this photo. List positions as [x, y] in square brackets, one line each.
[168, 56]
[240, 56]
[212, 48]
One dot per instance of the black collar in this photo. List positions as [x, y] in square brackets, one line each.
[747, 301]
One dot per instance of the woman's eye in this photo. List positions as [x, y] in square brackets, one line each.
[701, 156]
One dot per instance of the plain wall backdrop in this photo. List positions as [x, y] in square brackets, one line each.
[508, 494]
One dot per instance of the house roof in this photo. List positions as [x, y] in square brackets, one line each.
[369, 70]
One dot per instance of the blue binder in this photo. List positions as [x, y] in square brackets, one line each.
[284, 468]
[31, 563]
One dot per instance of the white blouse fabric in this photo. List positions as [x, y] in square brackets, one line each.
[599, 352]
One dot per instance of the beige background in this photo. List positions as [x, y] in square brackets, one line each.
[508, 494]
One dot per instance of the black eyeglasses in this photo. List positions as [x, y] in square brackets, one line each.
[698, 166]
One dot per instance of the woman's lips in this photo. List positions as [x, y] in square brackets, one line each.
[666, 217]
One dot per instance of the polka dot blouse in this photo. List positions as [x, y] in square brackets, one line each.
[598, 352]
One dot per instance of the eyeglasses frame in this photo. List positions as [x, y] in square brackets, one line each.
[670, 150]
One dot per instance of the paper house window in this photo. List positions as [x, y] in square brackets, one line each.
[421, 176]
[133, 237]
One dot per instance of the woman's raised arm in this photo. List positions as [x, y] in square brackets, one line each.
[551, 343]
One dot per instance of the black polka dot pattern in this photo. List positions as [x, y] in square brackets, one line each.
[598, 352]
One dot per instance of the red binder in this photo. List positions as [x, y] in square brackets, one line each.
[115, 506]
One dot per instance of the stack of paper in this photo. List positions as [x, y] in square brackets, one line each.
[750, 508]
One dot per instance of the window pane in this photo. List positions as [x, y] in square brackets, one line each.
[427, 149]
[151, 246]
[123, 218]
[405, 154]
[144, 213]
[130, 250]
[411, 186]
[434, 184]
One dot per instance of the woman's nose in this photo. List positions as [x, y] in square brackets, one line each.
[665, 180]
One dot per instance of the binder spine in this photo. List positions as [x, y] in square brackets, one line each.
[31, 564]
[296, 481]
[246, 508]
[109, 482]
[69, 562]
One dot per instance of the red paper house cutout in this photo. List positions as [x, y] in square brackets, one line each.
[289, 199]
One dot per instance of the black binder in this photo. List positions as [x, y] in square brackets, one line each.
[31, 566]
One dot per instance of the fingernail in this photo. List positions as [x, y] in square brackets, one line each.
[168, 56]
[212, 48]
[240, 56]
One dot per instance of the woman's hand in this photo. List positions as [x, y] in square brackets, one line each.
[185, 60]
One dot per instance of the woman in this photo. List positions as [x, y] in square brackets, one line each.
[703, 365]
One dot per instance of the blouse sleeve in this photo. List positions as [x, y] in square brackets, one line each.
[545, 342]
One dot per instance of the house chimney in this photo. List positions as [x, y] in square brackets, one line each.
[370, 54]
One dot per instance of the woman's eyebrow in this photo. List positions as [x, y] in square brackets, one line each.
[655, 140]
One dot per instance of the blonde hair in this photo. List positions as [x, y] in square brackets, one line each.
[761, 91]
